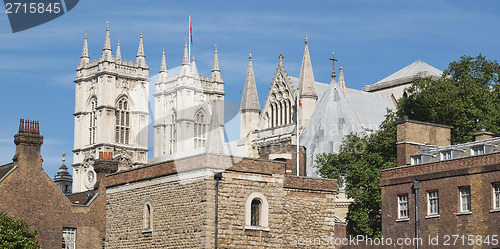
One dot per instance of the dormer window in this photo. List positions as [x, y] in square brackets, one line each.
[416, 160]
[475, 151]
[446, 155]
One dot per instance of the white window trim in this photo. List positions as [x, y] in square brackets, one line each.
[264, 212]
[416, 160]
[429, 214]
[71, 235]
[146, 229]
[496, 208]
[461, 195]
[407, 217]
[474, 153]
[444, 153]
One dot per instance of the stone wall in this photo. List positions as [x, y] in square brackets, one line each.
[180, 210]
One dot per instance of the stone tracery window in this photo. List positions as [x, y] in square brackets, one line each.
[93, 119]
[200, 129]
[122, 127]
[173, 134]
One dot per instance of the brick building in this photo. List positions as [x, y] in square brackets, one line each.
[457, 188]
[28, 193]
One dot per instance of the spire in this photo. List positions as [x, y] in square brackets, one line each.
[194, 69]
[215, 70]
[185, 59]
[306, 85]
[118, 52]
[250, 98]
[342, 81]
[141, 58]
[163, 67]
[216, 61]
[85, 52]
[106, 51]
[215, 136]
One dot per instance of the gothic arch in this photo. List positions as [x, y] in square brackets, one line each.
[126, 96]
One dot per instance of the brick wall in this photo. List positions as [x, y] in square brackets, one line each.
[478, 172]
[28, 193]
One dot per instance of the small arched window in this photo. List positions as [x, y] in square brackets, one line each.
[148, 218]
[122, 128]
[200, 129]
[93, 119]
[256, 212]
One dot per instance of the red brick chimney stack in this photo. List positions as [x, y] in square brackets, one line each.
[28, 143]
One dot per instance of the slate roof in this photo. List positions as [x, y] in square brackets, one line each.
[337, 115]
[82, 198]
[406, 74]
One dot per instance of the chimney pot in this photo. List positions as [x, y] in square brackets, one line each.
[21, 126]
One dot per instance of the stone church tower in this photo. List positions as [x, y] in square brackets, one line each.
[183, 107]
[111, 112]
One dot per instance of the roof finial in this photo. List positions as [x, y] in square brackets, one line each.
[63, 157]
[141, 57]
[85, 52]
[185, 59]
[250, 57]
[334, 75]
[193, 56]
[307, 36]
[281, 57]
[163, 67]
[118, 52]
[216, 61]
[106, 51]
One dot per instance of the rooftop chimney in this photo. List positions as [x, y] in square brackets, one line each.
[412, 134]
[28, 143]
[483, 135]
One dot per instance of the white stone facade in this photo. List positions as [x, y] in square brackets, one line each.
[183, 107]
[111, 112]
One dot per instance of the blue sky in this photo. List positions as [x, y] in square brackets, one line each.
[371, 39]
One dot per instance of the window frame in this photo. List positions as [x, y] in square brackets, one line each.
[465, 192]
[478, 150]
[416, 160]
[263, 224]
[71, 234]
[406, 209]
[496, 196]
[147, 224]
[122, 121]
[430, 203]
[445, 155]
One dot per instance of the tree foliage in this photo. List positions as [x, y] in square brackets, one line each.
[467, 97]
[16, 234]
[358, 164]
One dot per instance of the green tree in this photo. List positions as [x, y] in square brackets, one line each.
[16, 234]
[467, 97]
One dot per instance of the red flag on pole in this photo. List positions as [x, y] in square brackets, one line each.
[300, 104]
[190, 30]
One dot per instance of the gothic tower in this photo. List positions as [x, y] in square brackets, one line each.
[183, 106]
[250, 107]
[307, 89]
[111, 111]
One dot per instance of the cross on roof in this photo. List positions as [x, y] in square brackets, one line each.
[334, 75]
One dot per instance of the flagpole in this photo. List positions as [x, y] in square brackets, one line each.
[189, 37]
[298, 144]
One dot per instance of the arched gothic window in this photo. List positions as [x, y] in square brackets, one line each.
[122, 128]
[256, 212]
[148, 217]
[173, 134]
[93, 119]
[200, 129]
